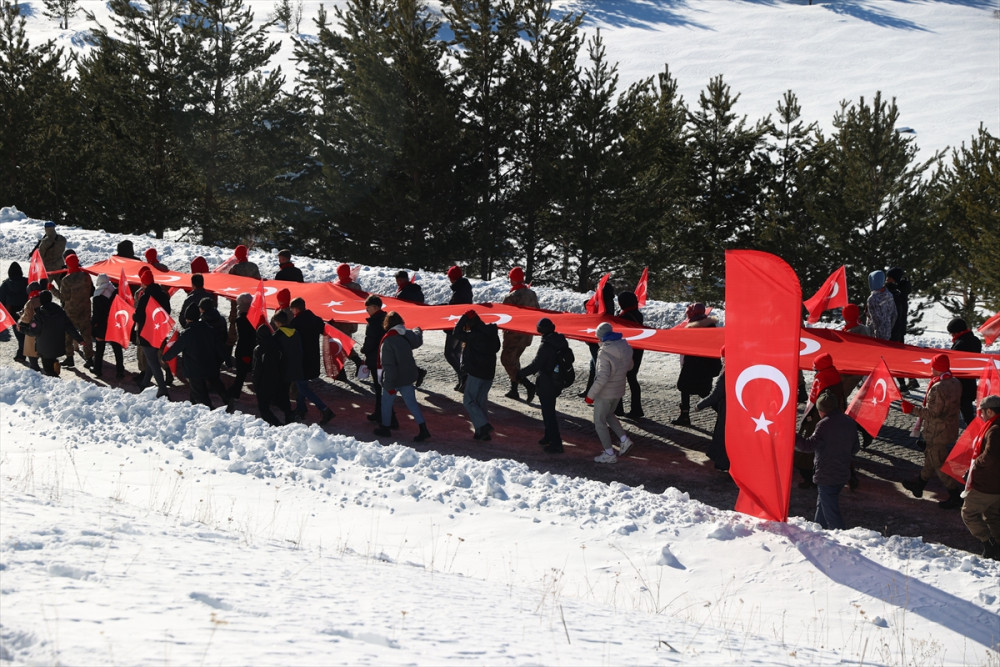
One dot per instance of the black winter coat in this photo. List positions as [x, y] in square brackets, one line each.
[968, 342]
[374, 332]
[461, 292]
[544, 364]
[290, 273]
[50, 326]
[310, 327]
[901, 297]
[482, 342]
[200, 349]
[246, 339]
[266, 370]
[290, 343]
[411, 292]
[634, 315]
[194, 298]
[14, 291]
[99, 315]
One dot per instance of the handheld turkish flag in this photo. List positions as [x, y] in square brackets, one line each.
[596, 304]
[172, 364]
[226, 265]
[120, 320]
[124, 291]
[6, 321]
[763, 319]
[990, 329]
[36, 268]
[641, 288]
[833, 294]
[257, 314]
[871, 404]
[960, 458]
[158, 324]
[336, 351]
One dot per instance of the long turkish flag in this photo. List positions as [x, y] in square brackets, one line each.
[158, 324]
[121, 317]
[762, 361]
[832, 294]
[871, 404]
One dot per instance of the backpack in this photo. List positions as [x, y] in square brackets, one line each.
[563, 372]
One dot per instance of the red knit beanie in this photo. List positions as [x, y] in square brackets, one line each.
[851, 313]
[454, 273]
[941, 363]
[241, 253]
[146, 278]
[72, 263]
[823, 361]
[199, 265]
[344, 273]
[284, 297]
[151, 255]
[516, 275]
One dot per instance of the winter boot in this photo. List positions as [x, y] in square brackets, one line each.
[33, 363]
[529, 390]
[991, 549]
[683, 420]
[953, 502]
[915, 486]
[513, 391]
[423, 435]
[807, 478]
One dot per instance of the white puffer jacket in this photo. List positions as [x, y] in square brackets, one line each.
[614, 361]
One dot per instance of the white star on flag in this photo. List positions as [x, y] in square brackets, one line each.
[762, 423]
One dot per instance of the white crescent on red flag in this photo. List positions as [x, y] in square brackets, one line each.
[870, 405]
[36, 268]
[121, 317]
[6, 320]
[762, 350]
[124, 291]
[336, 351]
[158, 324]
[990, 329]
[832, 294]
[642, 287]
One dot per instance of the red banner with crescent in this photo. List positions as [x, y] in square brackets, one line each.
[762, 349]
[120, 320]
[36, 268]
[6, 320]
[336, 351]
[852, 354]
[158, 324]
[871, 404]
[832, 294]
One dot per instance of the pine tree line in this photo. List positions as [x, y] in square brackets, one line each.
[473, 136]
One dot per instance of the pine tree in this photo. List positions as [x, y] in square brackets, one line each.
[62, 11]
[873, 208]
[970, 212]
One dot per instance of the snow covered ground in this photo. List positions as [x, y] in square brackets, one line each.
[139, 531]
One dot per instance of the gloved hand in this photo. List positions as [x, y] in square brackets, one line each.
[392, 392]
[907, 407]
[589, 400]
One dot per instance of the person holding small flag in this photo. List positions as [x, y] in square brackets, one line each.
[981, 508]
[152, 300]
[963, 340]
[50, 327]
[833, 444]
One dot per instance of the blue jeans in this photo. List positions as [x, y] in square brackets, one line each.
[474, 399]
[828, 506]
[409, 395]
[304, 391]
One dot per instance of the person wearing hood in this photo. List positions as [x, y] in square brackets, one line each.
[75, 291]
[880, 315]
[13, 296]
[696, 373]
[963, 340]
[614, 361]
[827, 379]
[899, 287]
[628, 304]
[481, 343]
[461, 293]
[939, 416]
[286, 270]
[24, 323]
[514, 343]
[51, 247]
[104, 295]
[243, 266]
[399, 373]
[153, 259]
[544, 364]
[346, 280]
[832, 445]
[125, 250]
[50, 326]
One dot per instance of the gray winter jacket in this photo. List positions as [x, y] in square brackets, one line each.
[614, 360]
[398, 366]
[834, 442]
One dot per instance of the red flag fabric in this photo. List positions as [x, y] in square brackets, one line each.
[174, 335]
[641, 288]
[960, 458]
[6, 320]
[596, 303]
[336, 351]
[124, 291]
[871, 403]
[990, 329]
[36, 268]
[762, 350]
[832, 294]
[121, 317]
[257, 314]
[226, 265]
[158, 324]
